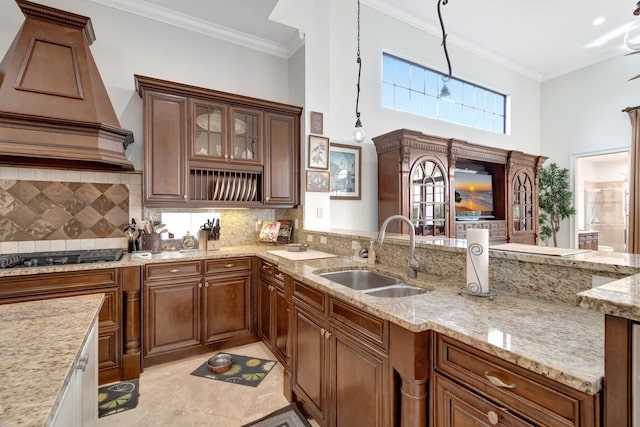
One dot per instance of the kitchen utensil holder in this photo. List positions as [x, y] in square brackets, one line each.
[152, 243]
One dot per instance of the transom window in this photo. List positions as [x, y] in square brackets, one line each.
[413, 88]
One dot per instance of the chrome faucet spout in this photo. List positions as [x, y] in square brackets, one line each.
[414, 265]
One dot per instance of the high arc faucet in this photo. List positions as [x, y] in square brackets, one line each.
[414, 264]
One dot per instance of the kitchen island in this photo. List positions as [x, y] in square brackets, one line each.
[40, 344]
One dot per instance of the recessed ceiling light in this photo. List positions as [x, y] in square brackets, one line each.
[599, 20]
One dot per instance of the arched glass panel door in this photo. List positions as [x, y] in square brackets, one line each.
[428, 199]
[523, 203]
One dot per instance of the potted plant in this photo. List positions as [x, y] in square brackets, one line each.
[554, 200]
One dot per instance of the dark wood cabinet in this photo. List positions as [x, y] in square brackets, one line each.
[340, 361]
[118, 320]
[493, 389]
[165, 144]
[417, 179]
[206, 148]
[191, 304]
[273, 310]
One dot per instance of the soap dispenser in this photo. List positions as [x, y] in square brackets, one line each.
[372, 254]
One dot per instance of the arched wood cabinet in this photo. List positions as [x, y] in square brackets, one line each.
[496, 189]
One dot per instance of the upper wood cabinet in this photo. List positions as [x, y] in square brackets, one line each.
[420, 177]
[206, 148]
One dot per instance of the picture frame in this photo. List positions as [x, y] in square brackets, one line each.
[345, 164]
[316, 122]
[318, 152]
[318, 181]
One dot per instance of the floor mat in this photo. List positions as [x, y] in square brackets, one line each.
[244, 370]
[289, 416]
[117, 397]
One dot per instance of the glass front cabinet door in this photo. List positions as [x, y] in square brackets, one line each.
[224, 133]
[523, 203]
[428, 199]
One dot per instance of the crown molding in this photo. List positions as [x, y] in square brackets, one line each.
[191, 23]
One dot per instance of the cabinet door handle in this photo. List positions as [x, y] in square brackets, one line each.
[200, 285]
[206, 284]
[82, 363]
[185, 197]
[321, 331]
[174, 270]
[271, 288]
[228, 265]
[327, 334]
[497, 381]
[493, 418]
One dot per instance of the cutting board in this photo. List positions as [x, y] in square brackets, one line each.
[302, 256]
[538, 250]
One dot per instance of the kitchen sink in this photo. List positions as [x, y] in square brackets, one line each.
[396, 291]
[360, 280]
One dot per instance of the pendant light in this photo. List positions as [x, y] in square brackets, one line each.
[358, 134]
[444, 92]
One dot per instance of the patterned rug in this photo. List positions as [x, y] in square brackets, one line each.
[289, 416]
[117, 397]
[244, 370]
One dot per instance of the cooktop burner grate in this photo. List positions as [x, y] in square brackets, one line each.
[37, 259]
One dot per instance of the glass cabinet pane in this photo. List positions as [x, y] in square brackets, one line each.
[523, 203]
[428, 199]
[208, 132]
[246, 136]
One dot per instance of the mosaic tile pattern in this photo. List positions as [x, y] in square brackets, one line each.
[47, 210]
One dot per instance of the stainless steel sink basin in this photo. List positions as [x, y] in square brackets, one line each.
[396, 291]
[360, 280]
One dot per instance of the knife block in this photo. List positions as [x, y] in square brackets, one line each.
[213, 245]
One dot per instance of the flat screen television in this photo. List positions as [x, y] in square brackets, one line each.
[474, 195]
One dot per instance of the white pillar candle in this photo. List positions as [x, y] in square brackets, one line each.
[477, 261]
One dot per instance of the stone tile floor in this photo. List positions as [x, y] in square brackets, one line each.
[171, 396]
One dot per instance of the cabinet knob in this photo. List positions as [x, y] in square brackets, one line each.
[185, 197]
[493, 418]
[206, 284]
[321, 331]
[226, 157]
[497, 381]
[200, 285]
[271, 288]
[82, 363]
[327, 334]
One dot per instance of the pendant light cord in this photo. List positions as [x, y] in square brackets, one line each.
[444, 37]
[359, 61]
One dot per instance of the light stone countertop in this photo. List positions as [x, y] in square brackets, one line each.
[620, 298]
[40, 342]
[559, 341]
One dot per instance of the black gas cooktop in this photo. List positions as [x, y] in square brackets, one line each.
[37, 259]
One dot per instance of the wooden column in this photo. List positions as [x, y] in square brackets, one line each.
[410, 359]
[132, 357]
[617, 372]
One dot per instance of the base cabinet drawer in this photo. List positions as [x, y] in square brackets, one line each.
[456, 406]
[534, 397]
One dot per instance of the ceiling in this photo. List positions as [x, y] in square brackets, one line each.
[541, 39]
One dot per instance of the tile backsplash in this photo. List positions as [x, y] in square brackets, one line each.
[49, 209]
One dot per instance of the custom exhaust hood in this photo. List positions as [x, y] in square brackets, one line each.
[54, 108]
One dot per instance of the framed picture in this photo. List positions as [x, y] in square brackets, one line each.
[316, 122]
[318, 181]
[318, 152]
[344, 167]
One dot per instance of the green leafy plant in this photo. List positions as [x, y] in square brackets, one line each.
[554, 200]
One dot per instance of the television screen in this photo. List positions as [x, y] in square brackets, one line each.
[474, 195]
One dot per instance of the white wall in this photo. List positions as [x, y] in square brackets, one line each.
[581, 113]
[129, 44]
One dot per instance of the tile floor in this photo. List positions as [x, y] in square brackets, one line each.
[171, 396]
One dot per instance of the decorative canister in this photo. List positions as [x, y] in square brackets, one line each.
[152, 242]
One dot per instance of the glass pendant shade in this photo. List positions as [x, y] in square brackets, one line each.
[632, 37]
[358, 134]
[444, 92]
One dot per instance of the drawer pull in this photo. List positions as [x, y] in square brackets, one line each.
[497, 381]
[174, 270]
[493, 418]
[228, 265]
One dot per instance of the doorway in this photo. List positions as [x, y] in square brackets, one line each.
[601, 198]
